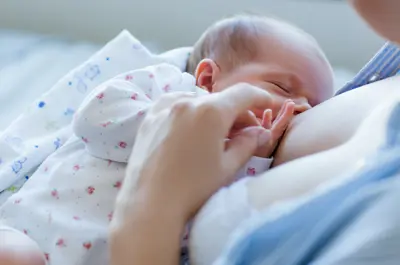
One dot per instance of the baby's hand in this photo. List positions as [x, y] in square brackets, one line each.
[277, 127]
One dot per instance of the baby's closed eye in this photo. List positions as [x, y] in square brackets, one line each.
[281, 86]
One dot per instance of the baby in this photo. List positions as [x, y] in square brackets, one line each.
[67, 204]
[267, 53]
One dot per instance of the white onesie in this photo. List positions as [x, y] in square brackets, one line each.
[68, 202]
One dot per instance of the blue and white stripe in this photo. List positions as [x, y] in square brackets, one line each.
[384, 64]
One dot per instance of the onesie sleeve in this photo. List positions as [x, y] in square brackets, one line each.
[109, 118]
[254, 166]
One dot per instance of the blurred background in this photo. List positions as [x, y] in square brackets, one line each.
[50, 37]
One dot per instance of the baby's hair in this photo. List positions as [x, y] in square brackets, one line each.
[234, 40]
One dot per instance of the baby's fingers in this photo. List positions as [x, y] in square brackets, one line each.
[282, 121]
[267, 119]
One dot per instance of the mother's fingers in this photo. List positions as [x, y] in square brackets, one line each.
[229, 108]
[239, 99]
[246, 119]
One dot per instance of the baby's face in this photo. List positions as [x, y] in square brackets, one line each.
[289, 69]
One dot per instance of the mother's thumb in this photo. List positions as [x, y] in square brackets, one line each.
[240, 148]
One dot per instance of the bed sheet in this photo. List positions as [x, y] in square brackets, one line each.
[30, 64]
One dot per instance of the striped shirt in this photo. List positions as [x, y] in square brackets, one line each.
[384, 64]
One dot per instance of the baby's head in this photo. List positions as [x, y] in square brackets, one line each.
[267, 53]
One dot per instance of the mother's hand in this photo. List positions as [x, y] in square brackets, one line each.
[180, 159]
[181, 155]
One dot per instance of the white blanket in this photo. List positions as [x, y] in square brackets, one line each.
[45, 126]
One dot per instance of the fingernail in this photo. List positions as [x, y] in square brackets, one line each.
[263, 137]
[252, 113]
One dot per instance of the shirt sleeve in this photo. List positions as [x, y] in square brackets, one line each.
[109, 118]
[254, 166]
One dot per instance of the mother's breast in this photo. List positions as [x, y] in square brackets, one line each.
[333, 122]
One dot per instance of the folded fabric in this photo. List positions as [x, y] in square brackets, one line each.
[357, 222]
[45, 126]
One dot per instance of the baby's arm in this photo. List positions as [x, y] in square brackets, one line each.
[108, 119]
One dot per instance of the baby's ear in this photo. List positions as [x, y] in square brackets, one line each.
[206, 72]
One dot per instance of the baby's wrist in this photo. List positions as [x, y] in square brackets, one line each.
[263, 153]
